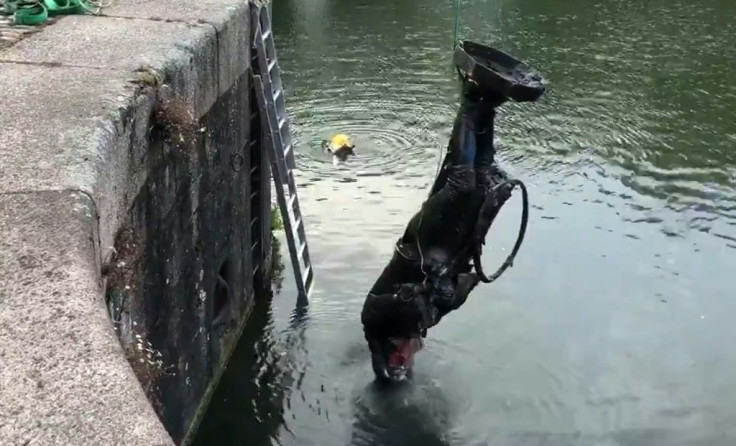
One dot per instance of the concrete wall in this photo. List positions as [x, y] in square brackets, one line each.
[134, 202]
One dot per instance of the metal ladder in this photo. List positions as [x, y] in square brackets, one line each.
[279, 146]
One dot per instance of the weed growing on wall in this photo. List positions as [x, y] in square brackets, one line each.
[277, 223]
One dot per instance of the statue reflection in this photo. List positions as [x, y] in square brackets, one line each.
[413, 414]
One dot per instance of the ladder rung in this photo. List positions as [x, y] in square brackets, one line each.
[277, 94]
[292, 199]
[266, 34]
[297, 223]
[271, 65]
[301, 249]
[287, 149]
[282, 121]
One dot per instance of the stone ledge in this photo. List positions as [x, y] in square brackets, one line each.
[73, 138]
[77, 100]
[63, 376]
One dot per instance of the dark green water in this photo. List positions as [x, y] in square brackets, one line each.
[615, 326]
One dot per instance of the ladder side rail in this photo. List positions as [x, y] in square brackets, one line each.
[281, 153]
[276, 170]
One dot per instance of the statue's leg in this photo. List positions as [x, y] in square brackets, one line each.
[429, 229]
[447, 218]
[466, 118]
[483, 109]
[489, 174]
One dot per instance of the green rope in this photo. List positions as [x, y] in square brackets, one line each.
[457, 24]
[36, 12]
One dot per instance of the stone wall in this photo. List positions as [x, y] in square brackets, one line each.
[135, 202]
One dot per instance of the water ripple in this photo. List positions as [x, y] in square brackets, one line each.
[618, 309]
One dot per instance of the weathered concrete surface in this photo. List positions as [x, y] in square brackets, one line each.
[72, 137]
[86, 129]
[11, 33]
[183, 268]
[63, 378]
[227, 17]
[93, 172]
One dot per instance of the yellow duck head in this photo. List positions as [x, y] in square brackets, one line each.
[340, 146]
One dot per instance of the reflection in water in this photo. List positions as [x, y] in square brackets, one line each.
[264, 367]
[614, 326]
[413, 415]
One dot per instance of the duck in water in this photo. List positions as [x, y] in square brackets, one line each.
[341, 147]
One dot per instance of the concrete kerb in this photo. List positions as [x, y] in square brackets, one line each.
[63, 377]
[77, 98]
